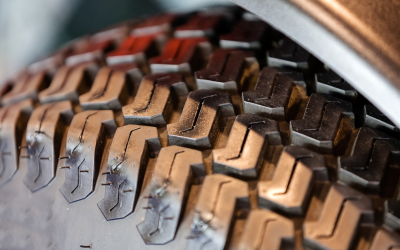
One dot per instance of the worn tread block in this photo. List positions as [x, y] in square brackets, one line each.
[85, 142]
[26, 87]
[69, 83]
[42, 144]
[93, 50]
[111, 87]
[246, 34]
[247, 143]
[136, 49]
[271, 96]
[13, 120]
[343, 211]
[219, 198]
[374, 165]
[227, 70]
[266, 230]
[182, 55]
[167, 193]
[154, 102]
[320, 124]
[199, 122]
[296, 172]
[129, 152]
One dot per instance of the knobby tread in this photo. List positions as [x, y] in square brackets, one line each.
[205, 130]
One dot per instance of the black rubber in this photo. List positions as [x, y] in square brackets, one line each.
[206, 130]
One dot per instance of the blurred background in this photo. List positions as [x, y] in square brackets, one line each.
[31, 29]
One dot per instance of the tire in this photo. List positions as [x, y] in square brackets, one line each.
[208, 130]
